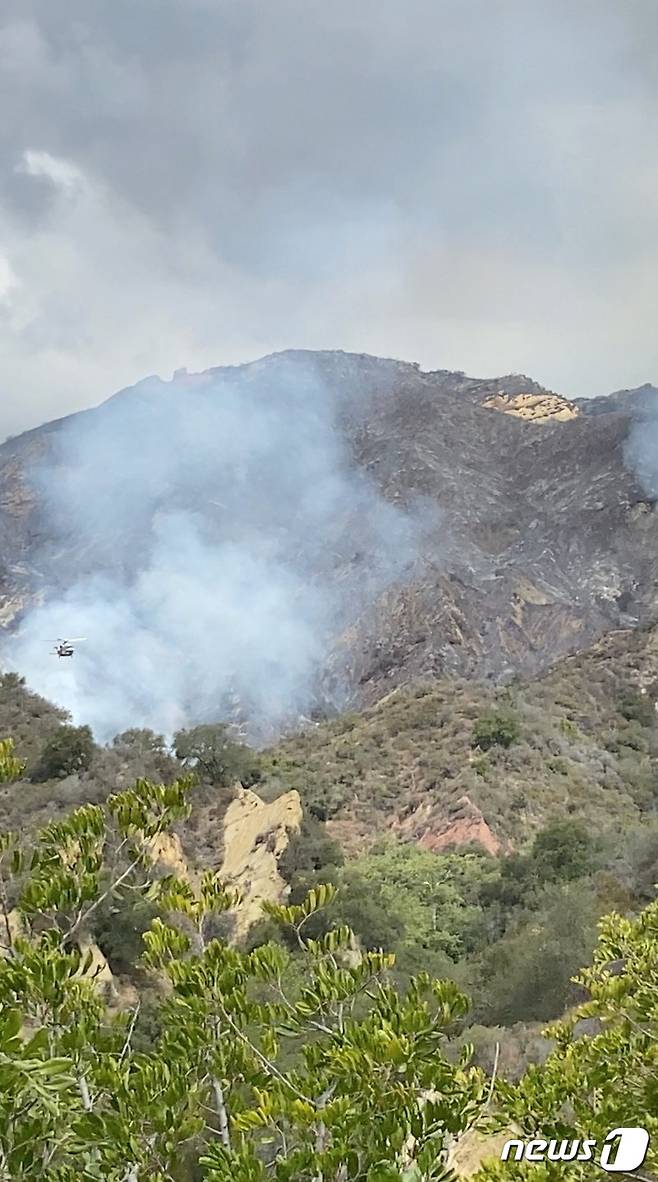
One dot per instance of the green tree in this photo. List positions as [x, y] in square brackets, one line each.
[259, 1071]
[527, 975]
[367, 909]
[496, 729]
[562, 850]
[593, 1083]
[118, 928]
[68, 751]
[636, 707]
[210, 750]
[641, 859]
[437, 894]
[310, 851]
[141, 740]
[11, 768]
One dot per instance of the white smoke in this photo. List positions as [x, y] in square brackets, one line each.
[641, 446]
[208, 537]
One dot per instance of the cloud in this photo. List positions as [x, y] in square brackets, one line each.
[41, 164]
[196, 182]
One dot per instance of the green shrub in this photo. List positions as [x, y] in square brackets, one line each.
[496, 729]
[636, 707]
[119, 926]
[68, 751]
[519, 800]
[562, 850]
[558, 765]
[365, 908]
[310, 850]
[481, 766]
[528, 974]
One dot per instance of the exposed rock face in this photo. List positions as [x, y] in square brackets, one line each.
[538, 408]
[475, 1149]
[99, 970]
[462, 824]
[545, 539]
[11, 927]
[255, 836]
[166, 851]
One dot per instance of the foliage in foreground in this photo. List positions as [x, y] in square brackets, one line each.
[265, 1065]
[594, 1083]
[11, 768]
[292, 1062]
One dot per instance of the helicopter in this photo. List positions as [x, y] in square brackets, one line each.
[64, 648]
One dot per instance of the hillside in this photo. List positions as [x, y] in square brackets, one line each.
[478, 832]
[426, 601]
[584, 745]
[378, 524]
[585, 748]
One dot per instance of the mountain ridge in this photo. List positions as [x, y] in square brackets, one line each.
[537, 538]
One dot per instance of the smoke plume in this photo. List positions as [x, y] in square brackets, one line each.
[641, 447]
[208, 537]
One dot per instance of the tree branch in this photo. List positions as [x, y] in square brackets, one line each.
[222, 1116]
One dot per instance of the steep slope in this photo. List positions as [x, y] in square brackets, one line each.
[559, 770]
[584, 745]
[522, 535]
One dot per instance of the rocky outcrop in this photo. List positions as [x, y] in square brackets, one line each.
[252, 835]
[536, 408]
[475, 1149]
[96, 968]
[461, 823]
[464, 825]
[166, 850]
[11, 927]
[93, 965]
[255, 836]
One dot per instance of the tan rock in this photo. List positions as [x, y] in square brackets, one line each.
[166, 851]
[98, 969]
[537, 408]
[255, 836]
[14, 922]
[475, 1149]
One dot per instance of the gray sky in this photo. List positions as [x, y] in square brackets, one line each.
[470, 184]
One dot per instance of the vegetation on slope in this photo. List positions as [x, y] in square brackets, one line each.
[579, 741]
[562, 770]
[304, 1066]
[512, 930]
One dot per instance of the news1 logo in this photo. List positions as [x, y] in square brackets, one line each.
[622, 1151]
